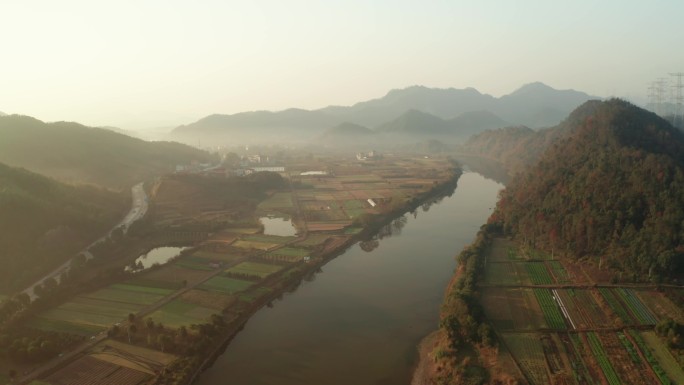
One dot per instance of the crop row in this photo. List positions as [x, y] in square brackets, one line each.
[602, 359]
[559, 271]
[538, 273]
[662, 376]
[552, 314]
[615, 305]
[637, 307]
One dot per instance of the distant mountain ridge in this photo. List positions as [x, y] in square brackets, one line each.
[75, 153]
[534, 105]
[610, 184]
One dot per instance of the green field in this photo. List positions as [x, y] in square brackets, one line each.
[501, 274]
[538, 273]
[255, 294]
[552, 314]
[354, 208]
[291, 252]
[277, 201]
[268, 238]
[529, 352]
[142, 281]
[178, 312]
[353, 230]
[313, 240]
[215, 256]
[61, 326]
[142, 289]
[226, 285]
[254, 245]
[666, 364]
[260, 270]
[610, 296]
[635, 306]
[126, 296]
[602, 359]
[559, 271]
[194, 262]
[93, 312]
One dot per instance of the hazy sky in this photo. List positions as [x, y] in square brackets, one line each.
[143, 63]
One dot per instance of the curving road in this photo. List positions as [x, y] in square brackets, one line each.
[138, 210]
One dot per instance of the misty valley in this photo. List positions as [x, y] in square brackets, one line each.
[428, 237]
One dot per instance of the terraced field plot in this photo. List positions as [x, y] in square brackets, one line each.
[354, 208]
[277, 201]
[226, 285]
[250, 245]
[268, 238]
[256, 269]
[88, 370]
[661, 306]
[552, 312]
[94, 312]
[538, 273]
[179, 312]
[313, 240]
[501, 273]
[663, 357]
[559, 273]
[627, 306]
[529, 353]
[512, 309]
[177, 274]
[209, 298]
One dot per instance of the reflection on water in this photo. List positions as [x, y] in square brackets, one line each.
[158, 256]
[278, 226]
[361, 318]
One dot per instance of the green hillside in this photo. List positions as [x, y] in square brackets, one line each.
[44, 222]
[75, 153]
[611, 185]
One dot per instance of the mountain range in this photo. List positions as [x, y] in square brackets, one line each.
[75, 153]
[415, 111]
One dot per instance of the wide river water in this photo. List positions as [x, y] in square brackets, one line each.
[359, 320]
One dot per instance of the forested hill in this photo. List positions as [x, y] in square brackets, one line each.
[611, 186]
[44, 222]
[518, 147]
[75, 153]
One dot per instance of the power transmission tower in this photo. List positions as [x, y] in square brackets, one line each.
[678, 99]
[660, 87]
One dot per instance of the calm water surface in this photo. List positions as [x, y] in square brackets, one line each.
[159, 255]
[278, 226]
[360, 319]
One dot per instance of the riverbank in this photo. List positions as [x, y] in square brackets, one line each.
[304, 270]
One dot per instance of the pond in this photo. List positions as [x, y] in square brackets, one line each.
[274, 225]
[159, 255]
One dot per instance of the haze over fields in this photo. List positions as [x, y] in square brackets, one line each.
[276, 192]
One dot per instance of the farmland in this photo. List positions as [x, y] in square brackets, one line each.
[93, 312]
[558, 329]
[230, 267]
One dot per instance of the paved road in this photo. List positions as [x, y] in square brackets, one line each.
[138, 210]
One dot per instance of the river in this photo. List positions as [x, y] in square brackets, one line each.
[359, 320]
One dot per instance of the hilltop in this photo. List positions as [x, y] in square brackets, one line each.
[610, 185]
[75, 153]
[44, 222]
